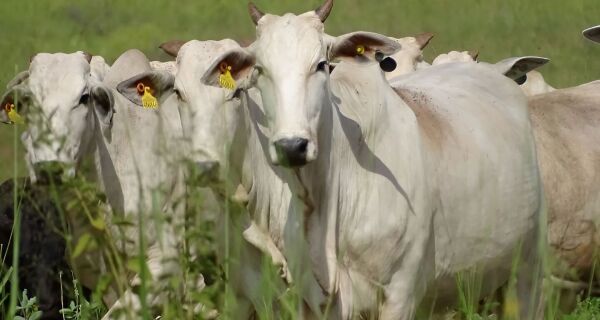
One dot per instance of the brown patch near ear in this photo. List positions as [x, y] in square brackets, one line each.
[423, 39]
[435, 130]
[172, 47]
[32, 57]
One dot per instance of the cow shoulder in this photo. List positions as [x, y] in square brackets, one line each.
[431, 123]
[565, 126]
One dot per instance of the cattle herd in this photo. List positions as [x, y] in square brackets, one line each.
[369, 177]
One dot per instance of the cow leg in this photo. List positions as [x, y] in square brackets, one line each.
[399, 302]
[530, 274]
[262, 241]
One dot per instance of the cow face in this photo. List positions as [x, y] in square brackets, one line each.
[292, 74]
[592, 33]
[54, 99]
[210, 114]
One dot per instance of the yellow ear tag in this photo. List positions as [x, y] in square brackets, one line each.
[225, 79]
[360, 49]
[148, 100]
[12, 114]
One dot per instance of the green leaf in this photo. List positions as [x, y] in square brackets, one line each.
[19, 318]
[98, 223]
[4, 280]
[82, 244]
[36, 315]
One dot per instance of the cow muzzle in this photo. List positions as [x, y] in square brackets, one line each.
[292, 152]
[206, 172]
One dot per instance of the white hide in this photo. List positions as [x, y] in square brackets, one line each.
[565, 124]
[397, 208]
[535, 84]
[134, 151]
[453, 56]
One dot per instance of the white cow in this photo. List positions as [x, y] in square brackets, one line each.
[519, 69]
[565, 124]
[71, 115]
[454, 151]
[221, 139]
[592, 33]
[410, 56]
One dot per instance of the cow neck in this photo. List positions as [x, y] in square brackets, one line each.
[366, 134]
[271, 202]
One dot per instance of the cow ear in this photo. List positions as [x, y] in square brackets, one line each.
[156, 84]
[14, 103]
[516, 68]
[592, 33]
[232, 66]
[103, 103]
[172, 47]
[18, 79]
[361, 46]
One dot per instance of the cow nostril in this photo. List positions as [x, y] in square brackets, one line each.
[292, 151]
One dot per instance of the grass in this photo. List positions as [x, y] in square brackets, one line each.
[497, 28]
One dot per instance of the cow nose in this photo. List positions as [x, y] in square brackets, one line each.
[292, 151]
[207, 171]
[48, 170]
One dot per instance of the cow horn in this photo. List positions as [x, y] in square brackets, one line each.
[324, 10]
[255, 13]
[474, 54]
[87, 56]
[423, 39]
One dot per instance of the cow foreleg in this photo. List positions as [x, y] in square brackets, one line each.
[263, 242]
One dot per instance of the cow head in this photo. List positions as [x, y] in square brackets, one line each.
[56, 99]
[410, 54]
[210, 114]
[292, 74]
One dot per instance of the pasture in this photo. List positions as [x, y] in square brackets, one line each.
[496, 28]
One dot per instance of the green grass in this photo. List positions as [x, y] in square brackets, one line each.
[497, 28]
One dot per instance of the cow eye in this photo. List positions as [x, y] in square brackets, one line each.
[322, 66]
[85, 98]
